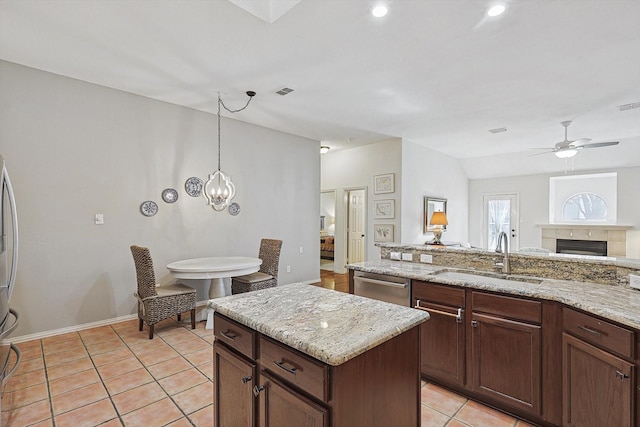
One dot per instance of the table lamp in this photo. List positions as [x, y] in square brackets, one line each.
[438, 220]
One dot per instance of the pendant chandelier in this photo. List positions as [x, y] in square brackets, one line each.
[219, 190]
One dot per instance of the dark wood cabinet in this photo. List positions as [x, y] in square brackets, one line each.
[442, 338]
[233, 388]
[493, 348]
[506, 361]
[281, 406]
[598, 385]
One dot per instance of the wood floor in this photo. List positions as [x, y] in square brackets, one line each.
[331, 280]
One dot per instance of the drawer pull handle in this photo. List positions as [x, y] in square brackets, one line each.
[281, 365]
[622, 376]
[257, 389]
[229, 335]
[591, 331]
[246, 379]
[443, 313]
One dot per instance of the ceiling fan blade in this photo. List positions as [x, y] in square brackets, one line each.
[599, 144]
[579, 142]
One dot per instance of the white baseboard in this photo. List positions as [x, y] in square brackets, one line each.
[75, 328]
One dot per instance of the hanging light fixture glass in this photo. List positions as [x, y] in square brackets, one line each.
[219, 190]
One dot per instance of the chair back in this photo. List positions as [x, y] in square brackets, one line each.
[144, 271]
[270, 256]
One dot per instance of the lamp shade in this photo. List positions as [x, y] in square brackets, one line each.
[439, 218]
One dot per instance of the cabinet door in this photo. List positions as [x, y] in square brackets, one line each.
[234, 403]
[506, 361]
[597, 386]
[282, 407]
[442, 343]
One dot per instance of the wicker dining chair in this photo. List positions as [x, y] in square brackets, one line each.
[267, 276]
[156, 303]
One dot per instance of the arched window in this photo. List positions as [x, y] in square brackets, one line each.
[584, 207]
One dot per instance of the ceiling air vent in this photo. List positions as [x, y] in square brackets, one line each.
[631, 106]
[498, 130]
[284, 91]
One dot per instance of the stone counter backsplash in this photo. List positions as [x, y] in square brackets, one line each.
[585, 269]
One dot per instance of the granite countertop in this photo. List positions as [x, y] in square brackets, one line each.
[328, 325]
[617, 303]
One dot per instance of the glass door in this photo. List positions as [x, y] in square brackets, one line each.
[500, 214]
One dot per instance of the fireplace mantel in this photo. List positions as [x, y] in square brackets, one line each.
[614, 235]
[588, 226]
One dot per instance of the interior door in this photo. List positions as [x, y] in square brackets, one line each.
[356, 225]
[500, 214]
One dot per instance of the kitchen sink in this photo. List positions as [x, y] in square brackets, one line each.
[486, 277]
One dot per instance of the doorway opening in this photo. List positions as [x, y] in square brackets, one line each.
[327, 229]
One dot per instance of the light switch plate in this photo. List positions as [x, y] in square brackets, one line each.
[407, 257]
[634, 281]
[426, 258]
[396, 256]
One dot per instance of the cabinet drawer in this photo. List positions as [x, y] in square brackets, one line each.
[298, 369]
[235, 335]
[512, 308]
[438, 294]
[609, 336]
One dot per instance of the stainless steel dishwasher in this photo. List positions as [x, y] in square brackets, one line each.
[382, 287]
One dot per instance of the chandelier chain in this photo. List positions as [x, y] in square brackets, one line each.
[221, 103]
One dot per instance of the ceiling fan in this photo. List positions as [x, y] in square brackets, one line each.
[565, 149]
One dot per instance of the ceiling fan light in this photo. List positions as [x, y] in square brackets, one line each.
[566, 153]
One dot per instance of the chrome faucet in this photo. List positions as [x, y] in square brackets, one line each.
[503, 248]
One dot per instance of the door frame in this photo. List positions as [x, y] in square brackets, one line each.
[345, 232]
[514, 241]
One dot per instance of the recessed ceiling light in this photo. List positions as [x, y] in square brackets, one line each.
[379, 11]
[496, 10]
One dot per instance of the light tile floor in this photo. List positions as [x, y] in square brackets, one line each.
[115, 376]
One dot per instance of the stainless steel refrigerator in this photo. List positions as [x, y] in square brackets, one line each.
[8, 269]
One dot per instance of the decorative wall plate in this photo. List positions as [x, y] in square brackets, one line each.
[193, 186]
[169, 195]
[149, 208]
[234, 208]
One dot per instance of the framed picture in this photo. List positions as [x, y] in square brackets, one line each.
[383, 233]
[431, 205]
[383, 209]
[383, 183]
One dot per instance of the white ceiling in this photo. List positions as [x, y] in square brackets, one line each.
[435, 72]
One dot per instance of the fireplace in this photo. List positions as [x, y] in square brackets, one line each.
[581, 247]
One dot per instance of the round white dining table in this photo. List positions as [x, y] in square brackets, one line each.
[216, 269]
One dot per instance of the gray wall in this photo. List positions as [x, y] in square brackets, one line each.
[429, 173]
[533, 193]
[75, 149]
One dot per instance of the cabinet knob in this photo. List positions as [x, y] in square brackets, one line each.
[257, 389]
[246, 379]
[474, 323]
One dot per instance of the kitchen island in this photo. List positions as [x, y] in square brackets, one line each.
[300, 354]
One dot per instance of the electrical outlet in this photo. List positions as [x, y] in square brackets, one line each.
[634, 281]
[288, 269]
[407, 257]
[301, 249]
[396, 256]
[99, 219]
[426, 258]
